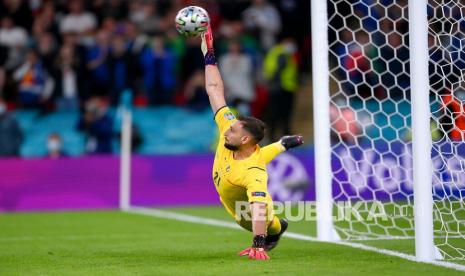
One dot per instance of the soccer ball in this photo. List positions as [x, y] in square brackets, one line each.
[192, 21]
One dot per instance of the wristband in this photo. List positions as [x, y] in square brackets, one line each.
[259, 241]
[210, 58]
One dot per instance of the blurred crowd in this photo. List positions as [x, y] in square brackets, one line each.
[82, 55]
[370, 62]
[369, 43]
[369, 57]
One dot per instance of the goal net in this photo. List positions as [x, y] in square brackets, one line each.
[447, 82]
[370, 111]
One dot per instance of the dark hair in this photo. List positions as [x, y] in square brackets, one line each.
[253, 126]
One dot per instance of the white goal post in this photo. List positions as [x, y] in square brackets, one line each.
[321, 125]
[421, 133]
[125, 160]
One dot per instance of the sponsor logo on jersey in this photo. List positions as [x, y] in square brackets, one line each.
[263, 194]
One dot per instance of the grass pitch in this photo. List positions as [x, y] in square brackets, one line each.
[115, 243]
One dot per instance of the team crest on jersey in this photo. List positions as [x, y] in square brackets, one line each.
[228, 168]
[229, 116]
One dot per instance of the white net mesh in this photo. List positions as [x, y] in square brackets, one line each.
[447, 65]
[371, 120]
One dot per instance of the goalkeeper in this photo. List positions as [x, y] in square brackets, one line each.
[239, 169]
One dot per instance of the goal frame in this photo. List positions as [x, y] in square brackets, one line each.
[421, 135]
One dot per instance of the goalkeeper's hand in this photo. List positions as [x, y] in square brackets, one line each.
[207, 42]
[292, 141]
[257, 251]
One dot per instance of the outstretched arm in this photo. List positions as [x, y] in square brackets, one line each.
[285, 143]
[213, 81]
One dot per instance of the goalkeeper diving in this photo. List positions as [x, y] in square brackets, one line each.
[239, 169]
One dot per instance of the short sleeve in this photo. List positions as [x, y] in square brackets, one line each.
[224, 118]
[256, 185]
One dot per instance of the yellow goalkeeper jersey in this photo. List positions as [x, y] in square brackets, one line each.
[241, 180]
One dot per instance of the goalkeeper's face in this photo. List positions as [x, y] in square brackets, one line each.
[236, 136]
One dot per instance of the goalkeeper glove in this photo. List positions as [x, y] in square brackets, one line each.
[292, 141]
[257, 251]
[207, 47]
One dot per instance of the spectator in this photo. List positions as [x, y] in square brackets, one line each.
[78, 21]
[280, 70]
[68, 78]
[453, 120]
[19, 11]
[194, 92]
[55, 146]
[97, 123]
[47, 49]
[191, 60]
[344, 124]
[35, 84]
[135, 40]
[136, 11]
[150, 22]
[234, 31]
[135, 43]
[158, 67]
[356, 57]
[3, 58]
[46, 21]
[109, 25]
[97, 64]
[120, 73]
[237, 71]
[263, 19]
[79, 63]
[11, 135]
[15, 38]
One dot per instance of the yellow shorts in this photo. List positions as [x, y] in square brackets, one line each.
[237, 205]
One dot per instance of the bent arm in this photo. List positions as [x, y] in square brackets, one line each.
[287, 142]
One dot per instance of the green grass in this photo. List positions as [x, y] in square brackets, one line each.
[114, 243]
[392, 226]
